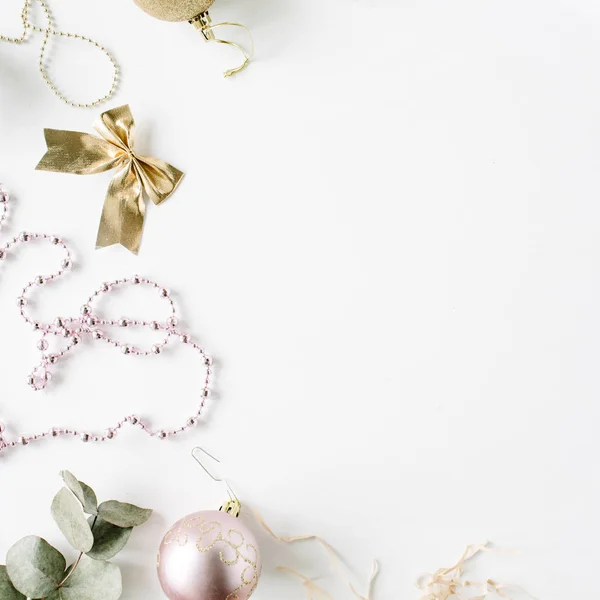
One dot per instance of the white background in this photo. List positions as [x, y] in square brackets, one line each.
[387, 238]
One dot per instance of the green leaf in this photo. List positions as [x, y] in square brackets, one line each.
[90, 502]
[83, 492]
[7, 590]
[123, 515]
[35, 567]
[69, 517]
[92, 580]
[109, 539]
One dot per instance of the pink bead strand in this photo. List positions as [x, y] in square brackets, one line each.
[87, 324]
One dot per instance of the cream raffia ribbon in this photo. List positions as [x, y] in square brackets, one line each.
[445, 584]
[122, 219]
[450, 584]
[314, 591]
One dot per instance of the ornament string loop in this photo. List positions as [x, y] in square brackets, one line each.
[122, 220]
[204, 24]
[48, 32]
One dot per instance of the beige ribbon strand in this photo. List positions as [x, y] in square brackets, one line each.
[449, 583]
[445, 584]
[314, 591]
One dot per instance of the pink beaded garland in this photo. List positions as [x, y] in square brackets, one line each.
[73, 329]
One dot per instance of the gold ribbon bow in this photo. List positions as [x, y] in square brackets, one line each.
[122, 219]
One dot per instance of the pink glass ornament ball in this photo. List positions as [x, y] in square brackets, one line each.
[209, 555]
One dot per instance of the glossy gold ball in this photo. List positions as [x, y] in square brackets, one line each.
[174, 10]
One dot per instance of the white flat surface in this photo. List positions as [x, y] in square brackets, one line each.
[388, 239]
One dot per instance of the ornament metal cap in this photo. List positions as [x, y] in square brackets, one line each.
[196, 13]
[232, 507]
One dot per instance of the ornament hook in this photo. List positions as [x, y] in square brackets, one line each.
[234, 505]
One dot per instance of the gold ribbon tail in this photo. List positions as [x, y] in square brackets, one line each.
[122, 220]
[77, 153]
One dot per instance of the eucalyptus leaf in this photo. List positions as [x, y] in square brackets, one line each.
[70, 519]
[109, 539]
[7, 589]
[90, 501]
[92, 580]
[35, 567]
[83, 492]
[123, 515]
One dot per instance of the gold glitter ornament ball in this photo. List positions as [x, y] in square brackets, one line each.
[174, 10]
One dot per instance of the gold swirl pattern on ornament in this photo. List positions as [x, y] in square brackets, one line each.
[235, 549]
[177, 535]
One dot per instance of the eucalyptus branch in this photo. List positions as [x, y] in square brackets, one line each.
[76, 564]
[97, 531]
